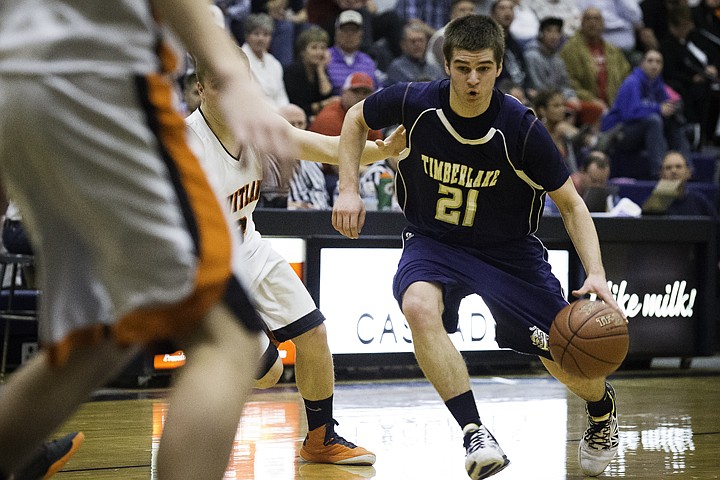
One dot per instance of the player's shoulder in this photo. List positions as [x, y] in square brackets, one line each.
[512, 112]
[416, 97]
[429, 92]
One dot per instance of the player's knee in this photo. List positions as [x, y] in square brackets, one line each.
[316, 336]
[420, 313]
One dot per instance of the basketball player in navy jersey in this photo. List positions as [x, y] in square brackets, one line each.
[472, 184]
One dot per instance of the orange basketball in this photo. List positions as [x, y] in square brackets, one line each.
[589, 339]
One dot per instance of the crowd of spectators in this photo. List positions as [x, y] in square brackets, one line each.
[633, 79]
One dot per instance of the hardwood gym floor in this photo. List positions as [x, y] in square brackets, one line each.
[669, 427]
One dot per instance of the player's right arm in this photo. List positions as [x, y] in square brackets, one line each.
[348, 216]
[249, 115]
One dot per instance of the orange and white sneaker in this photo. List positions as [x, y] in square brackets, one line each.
[51, 457]
[323, 445]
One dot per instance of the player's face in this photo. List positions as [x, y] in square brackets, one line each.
[209, 95]
[472, 78]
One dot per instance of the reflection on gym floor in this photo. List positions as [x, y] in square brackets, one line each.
[669, 426]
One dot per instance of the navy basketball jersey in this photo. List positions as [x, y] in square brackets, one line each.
[468, 181]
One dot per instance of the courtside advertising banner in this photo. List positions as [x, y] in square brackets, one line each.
[363, 317]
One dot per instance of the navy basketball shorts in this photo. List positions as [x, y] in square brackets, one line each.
[514, 280]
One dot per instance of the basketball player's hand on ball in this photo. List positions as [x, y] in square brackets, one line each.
[597, 284]
[394, 143]
[348, 215]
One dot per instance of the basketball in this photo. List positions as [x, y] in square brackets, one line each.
[589, 339]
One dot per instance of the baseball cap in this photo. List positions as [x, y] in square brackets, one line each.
[359, 80]
[349, 16]
[550, 21]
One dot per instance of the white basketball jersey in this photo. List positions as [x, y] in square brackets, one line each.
[236, 180]
[78, 36]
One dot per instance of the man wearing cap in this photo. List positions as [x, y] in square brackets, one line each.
[345, 54]
[329, 121]
[355, 88]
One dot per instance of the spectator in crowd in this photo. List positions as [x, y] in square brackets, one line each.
[507, 86]
[550, 108]
[596, 67]
[266, 69]
[278, 173]
[235, 12]
[706, 16]
[411, 65]
[285, 21]
[621, 20]
[14, 236]
[345, 55]
[525, 25]
[567, 10]
[433, 13]
[688, 202]
[308, 190]
[357, 86]
[513, 66]
[377, 186]
[645, 118]
[306, 80]
[545, 66]
[381, 29]
[458, 8]
[656, 14]
[691, 69]
[594, 171]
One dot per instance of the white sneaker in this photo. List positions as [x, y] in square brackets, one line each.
[600, 442]
[483, 457]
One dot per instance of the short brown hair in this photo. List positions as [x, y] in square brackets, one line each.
[473, 33]
[310, 35]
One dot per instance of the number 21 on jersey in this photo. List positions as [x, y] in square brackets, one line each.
[451, 207]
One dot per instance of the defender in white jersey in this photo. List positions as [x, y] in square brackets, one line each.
[131, 243]
[284, 304]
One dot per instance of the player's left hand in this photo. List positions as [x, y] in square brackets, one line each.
[394, 143]
[597, 284]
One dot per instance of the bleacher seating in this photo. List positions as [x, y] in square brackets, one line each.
[705, 166]
[639, 190]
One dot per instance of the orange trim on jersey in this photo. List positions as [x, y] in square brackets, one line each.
[168, 60]
[58, 353]
[213, 268]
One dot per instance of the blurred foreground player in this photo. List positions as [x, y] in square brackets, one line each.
[288, 310]
[131, 243]
[472, 186]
